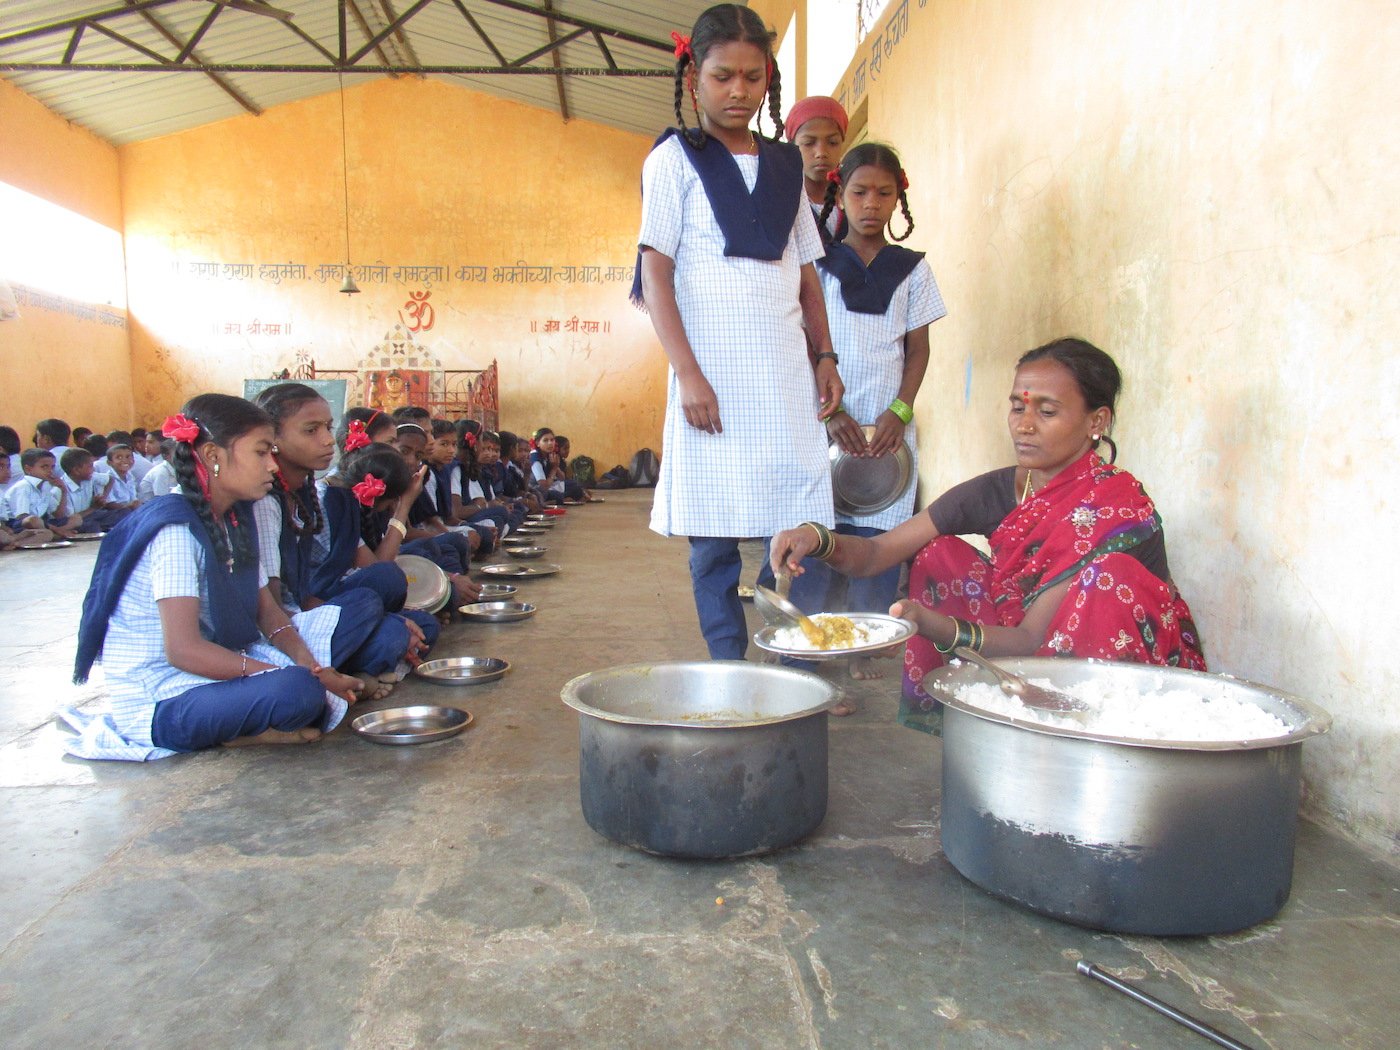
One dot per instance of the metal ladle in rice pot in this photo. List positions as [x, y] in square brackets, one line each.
[1013, 685]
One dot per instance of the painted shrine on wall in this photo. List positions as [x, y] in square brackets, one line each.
[400, 371]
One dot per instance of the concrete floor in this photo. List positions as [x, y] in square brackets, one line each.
[350, 895]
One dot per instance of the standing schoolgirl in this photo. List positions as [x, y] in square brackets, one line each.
[195, 650]
[727, 244]
[880, 300]
[288, 519]
[817, 127]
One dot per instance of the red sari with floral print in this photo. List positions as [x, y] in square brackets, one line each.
[1077, 528]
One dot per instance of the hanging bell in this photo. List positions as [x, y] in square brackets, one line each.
[348, 286]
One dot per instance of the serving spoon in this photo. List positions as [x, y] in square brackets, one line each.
[1031, 695]
[779, 612]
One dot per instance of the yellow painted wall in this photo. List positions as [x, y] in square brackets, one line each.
[55, 363]
[1208, 192]
[438, 176]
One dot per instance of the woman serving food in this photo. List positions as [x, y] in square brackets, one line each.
[1078, 562]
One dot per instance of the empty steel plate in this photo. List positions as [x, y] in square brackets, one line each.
[526, 552]
[867, 486]
[491, 592]
[411, 725]
[497, 612]
[519, 572]
[462, 670]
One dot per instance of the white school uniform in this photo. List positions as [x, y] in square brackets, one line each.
[769, 468]
[30, 495]
[871, 349]
[123, 488]
[138, 674]
[82, 493]
[159, 481]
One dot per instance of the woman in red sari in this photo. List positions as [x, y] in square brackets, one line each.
[1078, 564]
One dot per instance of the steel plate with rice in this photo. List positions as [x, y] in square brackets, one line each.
[420, 724]
[868, 633]
[867, 486]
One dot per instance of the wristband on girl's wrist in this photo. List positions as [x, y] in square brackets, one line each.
[903, 412]
[825, 355]
[398, 527]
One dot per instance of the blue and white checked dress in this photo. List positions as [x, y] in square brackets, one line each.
[134, 664]
[871, 349]
[769, 469]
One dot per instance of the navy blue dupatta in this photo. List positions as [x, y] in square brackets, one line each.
[755, 225]
[233, 596]
[342, 510]
[869, 289]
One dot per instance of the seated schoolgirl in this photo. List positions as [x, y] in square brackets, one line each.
[428, 535]
[41, 494]
[445, 484]
[517, 481]
[10, 449]
[469, 500]
[1078, 562]
[366, 504]
[547, 472]
[562, 449]
[195, 649]
[363, 426]
[491, 472]
[288, 519]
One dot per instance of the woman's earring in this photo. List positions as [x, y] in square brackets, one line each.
[1094, 438]
[216, 470]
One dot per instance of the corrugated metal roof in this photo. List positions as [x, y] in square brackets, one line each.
[126, 107]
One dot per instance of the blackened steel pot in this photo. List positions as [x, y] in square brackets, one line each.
[1133, 836]
[707, 759]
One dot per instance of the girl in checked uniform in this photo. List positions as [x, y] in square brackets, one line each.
[725, 270]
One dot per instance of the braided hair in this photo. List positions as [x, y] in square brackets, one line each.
[466, 450]
[726, 24]
[868, 155]
[222, 419]
[281, 402]
[380, 461]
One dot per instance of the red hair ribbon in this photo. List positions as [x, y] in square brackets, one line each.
[356, 438]
[682, 45]
[903, 180]
[470, 438]
[180, 428]
[201, 473]
[834, 175]
[369, 490]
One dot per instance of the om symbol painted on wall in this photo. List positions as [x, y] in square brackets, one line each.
[420, 312]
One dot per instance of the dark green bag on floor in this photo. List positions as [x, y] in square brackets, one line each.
[582, 467]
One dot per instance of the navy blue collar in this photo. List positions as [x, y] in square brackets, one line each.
[869, 289]
[755, 225]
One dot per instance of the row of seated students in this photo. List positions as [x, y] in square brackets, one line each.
[262, 596]
[58, 487]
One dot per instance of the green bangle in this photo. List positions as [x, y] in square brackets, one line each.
[903, 412]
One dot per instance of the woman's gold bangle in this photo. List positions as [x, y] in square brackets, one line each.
[826, 542]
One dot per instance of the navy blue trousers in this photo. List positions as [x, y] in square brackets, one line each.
[714, 576]
[387, 580]
[207, 715]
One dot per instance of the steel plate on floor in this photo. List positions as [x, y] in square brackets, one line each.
[520, 572]
[462, 670]
[411, 725]
[497, 612]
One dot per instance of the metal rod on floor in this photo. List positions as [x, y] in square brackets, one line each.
[1199, 1027]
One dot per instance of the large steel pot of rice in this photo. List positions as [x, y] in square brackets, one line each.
[1129, 835]
[705, 759]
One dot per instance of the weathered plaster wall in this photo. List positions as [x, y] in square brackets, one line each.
[438, 175]
[55, 363]
[1207, 191]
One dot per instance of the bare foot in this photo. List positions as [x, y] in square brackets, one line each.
[277, 736]
[374, 687]
[845, 706]
[862, 668]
